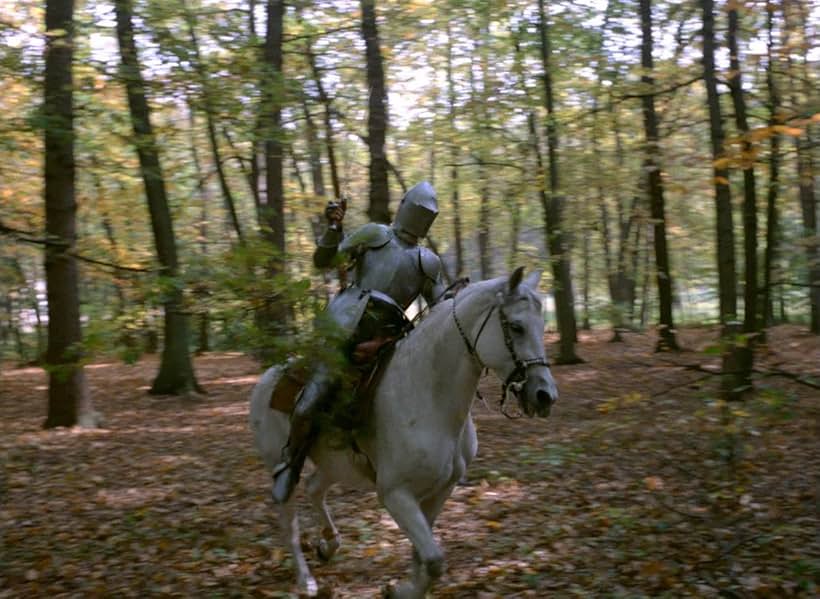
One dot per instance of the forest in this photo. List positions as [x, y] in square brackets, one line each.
[164, 172]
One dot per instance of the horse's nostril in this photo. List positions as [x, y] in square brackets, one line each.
[543, 397]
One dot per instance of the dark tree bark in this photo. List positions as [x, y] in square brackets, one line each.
[481, 123]
[273, 209]
[208, 106]
[201, 287]
[454, 156]
[727, 284]
[750, 296]
[554, 211]
[652, 166]
[176, 373]
[317, 176]
[806, 173]
[585, 324]
[772, 216]
[808, 208]
[69, 401]
[330, 143]
[379, 206]
[733, 383]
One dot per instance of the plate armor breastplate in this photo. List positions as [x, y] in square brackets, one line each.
[394, 269]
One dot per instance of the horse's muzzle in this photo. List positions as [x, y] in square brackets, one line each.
[538, 394]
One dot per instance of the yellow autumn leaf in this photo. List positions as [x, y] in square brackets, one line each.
[792, 131]
[653, 483]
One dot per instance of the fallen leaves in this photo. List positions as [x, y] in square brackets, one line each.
[634, 500]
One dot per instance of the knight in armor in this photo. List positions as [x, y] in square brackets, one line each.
[390, 270]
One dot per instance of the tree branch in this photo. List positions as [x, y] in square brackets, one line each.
[28, 237]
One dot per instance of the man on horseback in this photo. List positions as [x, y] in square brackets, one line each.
[390, 270]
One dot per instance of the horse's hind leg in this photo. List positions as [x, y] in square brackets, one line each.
[407, 513]
[289, 523]
[330, 540]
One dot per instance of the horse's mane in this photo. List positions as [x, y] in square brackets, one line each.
[474, 297]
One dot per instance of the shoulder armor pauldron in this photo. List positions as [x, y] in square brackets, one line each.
[369, 236]
[430, 263]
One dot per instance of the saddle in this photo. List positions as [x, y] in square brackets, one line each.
[369, 360]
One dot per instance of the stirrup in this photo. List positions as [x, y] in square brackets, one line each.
[284, 483]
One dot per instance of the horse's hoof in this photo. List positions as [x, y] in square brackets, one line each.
[308, 587]
[325, 550]
[402, 591]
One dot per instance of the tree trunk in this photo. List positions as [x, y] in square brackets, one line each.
[204, 82]
[379, 206]
[69, 401]
[554, 209]
[176, 373]
[723, 201]
[201, 289]
[774, 176]
[314, 153]
[808, 208]
[733, 386]
[328, 121]
[750, 296]
[585, 325]
[273, 210]
[454, 156]
[666, 327]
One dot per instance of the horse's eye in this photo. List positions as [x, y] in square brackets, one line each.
[516, 328]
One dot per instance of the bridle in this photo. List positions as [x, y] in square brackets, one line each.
[519, 372]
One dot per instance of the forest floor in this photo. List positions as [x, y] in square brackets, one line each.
[639, 484]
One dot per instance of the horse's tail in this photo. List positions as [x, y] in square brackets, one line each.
[270, 427]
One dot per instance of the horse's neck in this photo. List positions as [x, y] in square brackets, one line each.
[441, 351]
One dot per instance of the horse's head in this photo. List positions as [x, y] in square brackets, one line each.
[514, 345]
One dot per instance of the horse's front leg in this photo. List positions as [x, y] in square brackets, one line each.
[429, 558]
[289, 522]
[330, 540]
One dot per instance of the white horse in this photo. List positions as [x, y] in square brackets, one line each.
[420, 437]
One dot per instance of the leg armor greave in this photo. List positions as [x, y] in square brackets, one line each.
[287, 472]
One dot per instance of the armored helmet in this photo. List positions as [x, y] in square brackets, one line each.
[417, 210]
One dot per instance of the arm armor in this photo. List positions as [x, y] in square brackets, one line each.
[430, 266]
[326, 248]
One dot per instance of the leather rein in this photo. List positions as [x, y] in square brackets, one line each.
[519, 373]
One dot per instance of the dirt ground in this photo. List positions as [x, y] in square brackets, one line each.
[641, 484]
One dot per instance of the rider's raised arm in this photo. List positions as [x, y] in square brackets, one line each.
[327, 247]
[369, 236]
[433, 288]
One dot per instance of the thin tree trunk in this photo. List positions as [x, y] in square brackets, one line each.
[774, 175]
[733, 385]
[723, 201]
[585, 325]
[379, 205]
[481, 120]
[454, 156]
[328, 121]
[69, 400]
[644, 311]
[200, 290]
[750, 318]
[806, 173]
[273, 210]
[556, 237]
[314, 153]
[176, 373]
[204, 82]
[666, 327]
[808, 208]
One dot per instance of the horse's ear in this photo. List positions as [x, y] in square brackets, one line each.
[533, 279]
[515, 278]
